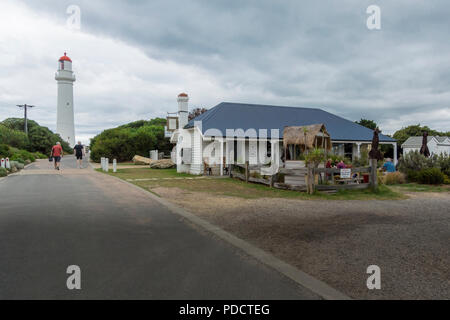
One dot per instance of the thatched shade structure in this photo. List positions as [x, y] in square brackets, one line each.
[307, 137]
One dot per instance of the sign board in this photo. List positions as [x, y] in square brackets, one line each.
[172, 123]
[346, 173]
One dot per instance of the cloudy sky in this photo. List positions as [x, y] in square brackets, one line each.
[132, 58]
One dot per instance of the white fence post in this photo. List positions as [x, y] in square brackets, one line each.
[102, 163]
[114, 165]
[7, 164]
[106, 164]
[154, 154]
[3, 163]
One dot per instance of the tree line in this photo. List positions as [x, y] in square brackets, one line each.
[40, 139]
[126, 141]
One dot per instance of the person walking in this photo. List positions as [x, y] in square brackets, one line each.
[57, 153]
[78, 151]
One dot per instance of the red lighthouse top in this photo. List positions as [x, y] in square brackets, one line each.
[65, 58]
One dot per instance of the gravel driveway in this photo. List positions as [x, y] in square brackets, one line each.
[336, 241]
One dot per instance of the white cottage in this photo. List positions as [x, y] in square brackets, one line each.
[248, 132]
[435, 144]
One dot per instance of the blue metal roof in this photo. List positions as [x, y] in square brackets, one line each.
[227, 115]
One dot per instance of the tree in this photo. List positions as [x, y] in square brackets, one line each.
[39, 138]
[42, 139]
[13, 138]
[367, 123]
[415, 130]
[128, 140]
[196, 112]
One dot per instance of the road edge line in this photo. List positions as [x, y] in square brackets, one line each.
[305, 280]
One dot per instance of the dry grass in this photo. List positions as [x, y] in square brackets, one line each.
[394, 178]
[240, 189]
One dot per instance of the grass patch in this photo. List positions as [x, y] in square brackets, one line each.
[416, 187]
[238, 188]
[143, 173]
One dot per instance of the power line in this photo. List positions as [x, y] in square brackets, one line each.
[25, 110]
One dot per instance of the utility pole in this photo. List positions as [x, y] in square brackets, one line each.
[25, 108]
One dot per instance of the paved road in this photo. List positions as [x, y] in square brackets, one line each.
[127, 245]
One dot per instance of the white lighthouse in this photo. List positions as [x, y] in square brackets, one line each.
[65, 77]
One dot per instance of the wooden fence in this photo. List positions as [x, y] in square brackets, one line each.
[309, 179]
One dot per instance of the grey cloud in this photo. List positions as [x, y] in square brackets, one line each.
[316, 52]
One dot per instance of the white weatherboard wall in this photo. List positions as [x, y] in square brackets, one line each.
[197, 158]
[433, 146]
[184, 142]
[189, 151]
[65, 124]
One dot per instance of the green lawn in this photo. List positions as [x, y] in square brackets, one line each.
[415, 187]
[238, 188]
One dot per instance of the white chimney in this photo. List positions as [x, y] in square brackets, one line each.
[183, 111]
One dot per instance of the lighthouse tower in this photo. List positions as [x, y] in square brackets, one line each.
[65, 124]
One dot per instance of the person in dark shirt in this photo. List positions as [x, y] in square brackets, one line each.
[78, 151]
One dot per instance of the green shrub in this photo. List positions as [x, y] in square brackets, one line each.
[17, 159]
[415, 161]
[443, 161]
[16, 164]
[315, 156]
[39, 138]
[22, 155]
[394, 178]
[363, 160]
[412, 175]
[39, 155]
[3, 172]
[13, 137]
[380, 177]
[124, 142]
[430, 176]
[446, 179]
[4, 151]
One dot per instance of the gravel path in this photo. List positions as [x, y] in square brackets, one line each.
[336, 241]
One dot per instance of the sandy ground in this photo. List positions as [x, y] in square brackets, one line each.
[336, 241]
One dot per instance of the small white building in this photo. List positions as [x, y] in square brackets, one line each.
[239, 132]
[435, 144]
